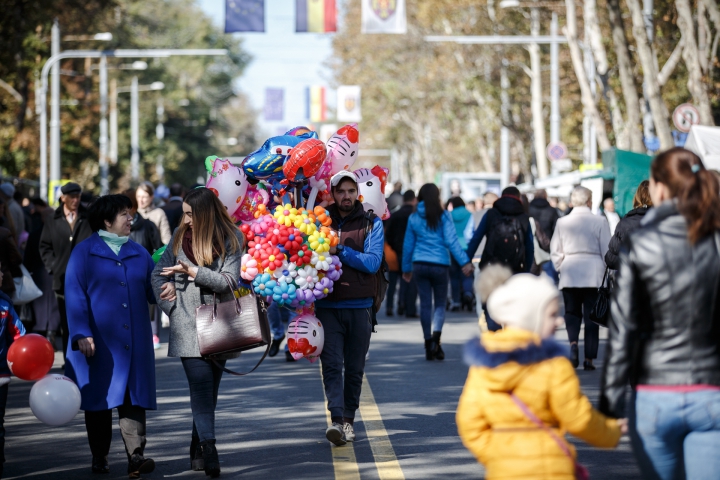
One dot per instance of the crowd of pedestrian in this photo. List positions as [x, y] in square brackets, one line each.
[106, 298]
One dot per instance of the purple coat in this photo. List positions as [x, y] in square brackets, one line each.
[107, 299]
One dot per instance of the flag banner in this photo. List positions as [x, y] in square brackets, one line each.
[315, 16]
[348, 103]
[274, 104]
[383, 16]
[316, 104]
[244, 16]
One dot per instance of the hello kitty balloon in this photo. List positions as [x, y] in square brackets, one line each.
[342, 150]
[228, 182]
[371, 187]
[306, 337]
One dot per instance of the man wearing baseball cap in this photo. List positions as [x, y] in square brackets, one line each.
[346, 314]
[68, 227]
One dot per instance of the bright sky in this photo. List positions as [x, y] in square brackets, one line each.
[281, 59]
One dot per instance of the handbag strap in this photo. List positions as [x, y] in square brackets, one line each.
[605, 275]
[227, 370]
[529, 414]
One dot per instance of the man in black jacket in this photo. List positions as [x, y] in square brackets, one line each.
[395, 237]
[509, 238]
[68, 227]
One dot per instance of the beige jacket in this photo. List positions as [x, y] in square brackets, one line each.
[578, 248]
[158, 217]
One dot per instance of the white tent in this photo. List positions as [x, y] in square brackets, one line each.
[705, 142]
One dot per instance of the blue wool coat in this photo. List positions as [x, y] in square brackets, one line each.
[107, 299]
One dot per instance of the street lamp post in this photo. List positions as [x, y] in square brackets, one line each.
[53, 60]
[134, 90]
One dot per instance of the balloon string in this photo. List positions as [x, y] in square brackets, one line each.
[311, 199]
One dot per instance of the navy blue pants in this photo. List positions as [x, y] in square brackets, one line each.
[204, 380]
[347, 339]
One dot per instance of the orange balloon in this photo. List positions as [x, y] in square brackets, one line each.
[30, 357]
[306, 157]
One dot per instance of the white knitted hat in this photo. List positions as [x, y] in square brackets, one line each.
[519, 301]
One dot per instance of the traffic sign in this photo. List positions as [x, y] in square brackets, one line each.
[557, 151]
[685, 116]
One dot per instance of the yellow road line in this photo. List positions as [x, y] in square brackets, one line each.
[385, 460]
[344, 461]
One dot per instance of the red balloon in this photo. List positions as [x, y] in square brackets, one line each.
[306, 157]
[30, 357]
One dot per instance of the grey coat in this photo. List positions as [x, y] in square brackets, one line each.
[183, 332]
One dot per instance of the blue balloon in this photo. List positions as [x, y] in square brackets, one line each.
[266, 163]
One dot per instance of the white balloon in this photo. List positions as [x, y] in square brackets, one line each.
[55, 400]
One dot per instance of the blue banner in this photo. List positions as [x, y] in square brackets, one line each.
[244, 16]
[274, 104]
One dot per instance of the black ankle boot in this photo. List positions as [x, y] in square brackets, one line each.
[429, 350]
[439, 354]
[210, 457]
[197, 463]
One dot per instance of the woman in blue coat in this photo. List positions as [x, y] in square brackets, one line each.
[430, 239]
[107, 290]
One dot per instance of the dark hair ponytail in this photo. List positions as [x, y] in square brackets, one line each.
[430, 194]
[694, 187]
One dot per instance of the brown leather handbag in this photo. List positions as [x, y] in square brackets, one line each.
[235, 326]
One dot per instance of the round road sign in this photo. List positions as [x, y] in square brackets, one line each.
[685, 116]
[557, 151]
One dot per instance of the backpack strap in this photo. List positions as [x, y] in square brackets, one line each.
[369, 220]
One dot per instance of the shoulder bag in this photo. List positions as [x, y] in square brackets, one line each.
[235, 326]
[25, 289]
[601, 310]
[581, 473]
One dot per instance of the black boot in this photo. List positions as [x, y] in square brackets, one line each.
[439, 354]
[196, 459]
[429, 350]
[100, 465]
[210, 457]
[275, 346]
[139, 465]
[574, 355]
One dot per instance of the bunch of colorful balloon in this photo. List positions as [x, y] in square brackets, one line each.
[288, 259]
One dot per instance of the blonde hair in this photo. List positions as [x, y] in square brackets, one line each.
[212, 228]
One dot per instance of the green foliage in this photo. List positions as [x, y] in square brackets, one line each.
[200, 109]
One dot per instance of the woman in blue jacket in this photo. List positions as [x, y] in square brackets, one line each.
[430, 238]
[111, 357]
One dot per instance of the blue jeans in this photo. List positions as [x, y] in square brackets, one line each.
[204, 380]
[432, 284]
[279, 318]
[461, 284]
[676, 435]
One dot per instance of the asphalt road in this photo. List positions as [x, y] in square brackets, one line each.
[270, 424]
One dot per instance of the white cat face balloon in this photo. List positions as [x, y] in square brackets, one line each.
[371, 189]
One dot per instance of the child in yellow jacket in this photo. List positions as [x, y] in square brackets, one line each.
[523, 359]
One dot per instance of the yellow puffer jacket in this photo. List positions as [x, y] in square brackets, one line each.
[494, 428]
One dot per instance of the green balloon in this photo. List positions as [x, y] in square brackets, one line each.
[158, 253]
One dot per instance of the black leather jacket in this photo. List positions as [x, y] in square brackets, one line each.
[665, 320]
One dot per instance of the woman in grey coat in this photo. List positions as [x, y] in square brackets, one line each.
[205, 246]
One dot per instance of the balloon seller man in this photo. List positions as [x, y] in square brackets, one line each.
[10, 329]
[346, 314]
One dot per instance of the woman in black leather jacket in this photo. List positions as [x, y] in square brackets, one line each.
[665, 325]
[629, 223]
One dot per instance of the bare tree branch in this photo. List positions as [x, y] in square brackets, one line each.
[16, 95]
[671, 63]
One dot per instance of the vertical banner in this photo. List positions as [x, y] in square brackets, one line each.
[316, 104]
[315, 16]
[244, 16]
[348, 103]
[274, 104]
[383, 16]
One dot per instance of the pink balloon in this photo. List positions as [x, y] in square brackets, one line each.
[228, 182]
